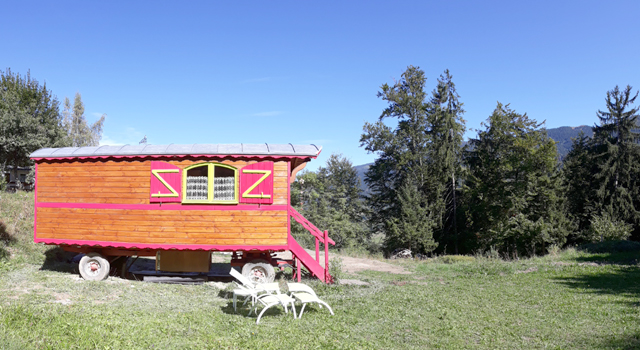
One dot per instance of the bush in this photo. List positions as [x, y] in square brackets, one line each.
[605, 228]
[335, 269]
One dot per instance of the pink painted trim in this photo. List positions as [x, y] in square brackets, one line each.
[104, 244]
[35, 202]
[219, 156]
[160, 207]
[288, 199]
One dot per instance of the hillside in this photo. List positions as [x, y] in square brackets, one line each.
[564, 134]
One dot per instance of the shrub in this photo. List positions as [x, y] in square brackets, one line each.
[335, 269]
[605, 228]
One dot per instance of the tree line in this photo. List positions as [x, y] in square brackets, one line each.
[30, 119]
[505, 190]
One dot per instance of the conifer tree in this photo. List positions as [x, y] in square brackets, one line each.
[79, 133]
[331, 198]
[447, 130]
[420, 158]
[513, 201]
[618, 157]
[580, 184]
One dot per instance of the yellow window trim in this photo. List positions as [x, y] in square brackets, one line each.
[211, 171]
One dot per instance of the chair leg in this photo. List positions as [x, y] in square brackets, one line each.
[263, 310]
[293, 307]
[234, 303]
[327, 305]
[302, 310]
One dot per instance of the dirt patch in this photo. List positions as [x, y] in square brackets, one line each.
[354, 265]
[354, 282]
[529, 270]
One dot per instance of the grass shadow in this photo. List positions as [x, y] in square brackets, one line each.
[617, 280]
[59, 260]
[5, 236]
[611, 252]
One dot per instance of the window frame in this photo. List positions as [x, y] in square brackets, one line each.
[210, 180]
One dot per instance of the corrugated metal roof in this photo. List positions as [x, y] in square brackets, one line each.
[263, 149]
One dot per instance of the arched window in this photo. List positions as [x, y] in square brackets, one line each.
[210, 183]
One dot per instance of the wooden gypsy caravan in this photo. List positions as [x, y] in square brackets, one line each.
[176, 202]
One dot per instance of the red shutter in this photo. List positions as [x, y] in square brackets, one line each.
[260, 177]
[161, 192]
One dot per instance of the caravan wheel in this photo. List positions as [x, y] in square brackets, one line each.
[94, 267]
[259, 271]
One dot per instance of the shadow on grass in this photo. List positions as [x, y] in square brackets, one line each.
[611, 252]
[621, 278]
[56, 259]
[5, 240]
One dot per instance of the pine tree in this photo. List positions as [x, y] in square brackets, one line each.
[422, 155]
[79, 133]
[513, 201]
[413, 227]
[447, 130]
[403, 156]
[580, 184]
[331, 198]
[618, 157]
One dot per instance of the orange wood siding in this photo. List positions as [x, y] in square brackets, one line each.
[121, 181]
[205, 227]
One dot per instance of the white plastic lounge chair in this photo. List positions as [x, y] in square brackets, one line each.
[269, 300]
[250, 290]
[305, 294]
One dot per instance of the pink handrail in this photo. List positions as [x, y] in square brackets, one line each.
[320, 236]
[309, 226]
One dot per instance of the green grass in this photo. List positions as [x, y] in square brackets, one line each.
[575, 299]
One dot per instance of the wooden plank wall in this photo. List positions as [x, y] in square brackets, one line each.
[202, 227]
[120, 181]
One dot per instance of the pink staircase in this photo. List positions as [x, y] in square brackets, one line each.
[301, 255]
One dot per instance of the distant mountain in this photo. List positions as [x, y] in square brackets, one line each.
[361, 169]
[561, 135]
[564, 134]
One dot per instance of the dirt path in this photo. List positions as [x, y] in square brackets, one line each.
[354, 265]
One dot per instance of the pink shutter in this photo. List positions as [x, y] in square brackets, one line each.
[161, 192]
[260, 174]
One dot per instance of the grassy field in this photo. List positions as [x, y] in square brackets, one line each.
[574, 299]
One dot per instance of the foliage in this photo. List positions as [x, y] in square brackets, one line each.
[579, 183]
[413, 228]
[79, 133]
[618, 155]
[604, 228]
[446, 135]
[601, 174]
[29, 119]
[331, 199]
[417, 159]
[512, 191]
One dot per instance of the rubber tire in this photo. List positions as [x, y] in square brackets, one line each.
[264, 266]
[94, 258]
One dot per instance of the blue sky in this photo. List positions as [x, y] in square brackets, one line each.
[302, 72]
